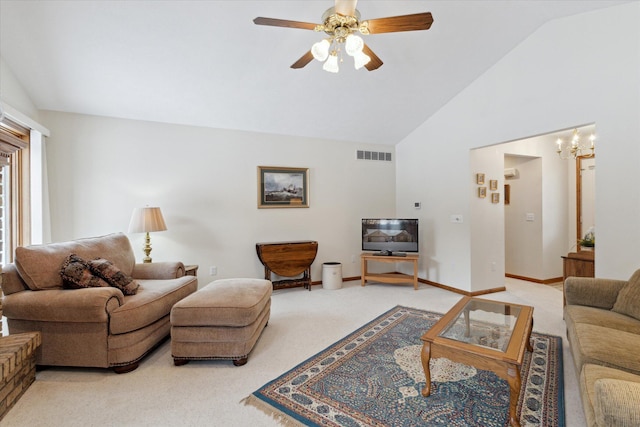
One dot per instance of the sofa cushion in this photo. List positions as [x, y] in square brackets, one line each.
[596, 380]
[604, 346]
[76, 274]
[225, 302]
[628, 301]
[574, 314]
[152, 302]
[617, 402]
[39, 265]
[113, 276]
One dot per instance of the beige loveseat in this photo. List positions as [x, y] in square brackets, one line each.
[603, 328]
[94, 326]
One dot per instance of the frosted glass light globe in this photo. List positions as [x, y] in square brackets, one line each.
[361, 59]
[353, 44]
[320, 50]
[331, 65]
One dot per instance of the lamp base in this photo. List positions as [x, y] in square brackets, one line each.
[147, 249]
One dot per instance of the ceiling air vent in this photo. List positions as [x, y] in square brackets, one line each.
[373, 155]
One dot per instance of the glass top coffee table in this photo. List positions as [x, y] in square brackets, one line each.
[489, 335]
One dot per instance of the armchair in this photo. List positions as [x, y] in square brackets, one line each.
[91, 327]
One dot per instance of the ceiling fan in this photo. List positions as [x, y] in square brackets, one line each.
[341, 23]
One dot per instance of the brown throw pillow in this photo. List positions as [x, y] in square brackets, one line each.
[76, 274]
[628, 301]
[114, 276]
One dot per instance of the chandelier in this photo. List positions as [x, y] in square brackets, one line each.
[575, 147]
[340, 29]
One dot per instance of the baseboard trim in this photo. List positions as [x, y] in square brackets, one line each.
[344, 279]
[531, 279]
[436, 285]
[460, 291]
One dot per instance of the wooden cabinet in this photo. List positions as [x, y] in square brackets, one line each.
[579, 264]
[288, 259]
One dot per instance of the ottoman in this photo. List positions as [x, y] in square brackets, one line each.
[223, 320]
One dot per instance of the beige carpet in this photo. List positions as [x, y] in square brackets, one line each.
[209, 393]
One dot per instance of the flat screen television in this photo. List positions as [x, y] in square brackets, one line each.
[390, 236]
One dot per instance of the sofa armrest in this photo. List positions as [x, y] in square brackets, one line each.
[91, 305]
[616, 402]
[592, 292]
[158, 270]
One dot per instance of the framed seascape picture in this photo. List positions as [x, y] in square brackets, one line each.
[282, 187]
[480, 178]
[495, 197]
[493, 184]
[482, 192]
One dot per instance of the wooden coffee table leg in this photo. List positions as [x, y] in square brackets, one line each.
[513, 378]
[425, 356]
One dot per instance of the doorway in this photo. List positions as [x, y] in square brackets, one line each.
[559, 204]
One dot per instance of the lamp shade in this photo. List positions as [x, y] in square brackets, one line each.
[144, 220]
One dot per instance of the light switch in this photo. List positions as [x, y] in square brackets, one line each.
[531, 217]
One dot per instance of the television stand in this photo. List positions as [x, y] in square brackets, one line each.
[394, 278]
[389, 253]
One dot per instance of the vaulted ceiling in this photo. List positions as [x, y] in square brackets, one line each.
[205, 63]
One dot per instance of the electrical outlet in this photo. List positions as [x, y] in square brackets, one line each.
[213, 270]
[456, 219]
[353, 259]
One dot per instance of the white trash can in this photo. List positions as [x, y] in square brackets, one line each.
[331, 275]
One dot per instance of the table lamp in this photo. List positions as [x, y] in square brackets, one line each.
[146, 220]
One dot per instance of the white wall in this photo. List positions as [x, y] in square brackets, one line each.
[523, 219]
[578, 70]
[487, 218]
[205, 181]
[13, 94]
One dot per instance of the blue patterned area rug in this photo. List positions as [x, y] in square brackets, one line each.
[374, 377]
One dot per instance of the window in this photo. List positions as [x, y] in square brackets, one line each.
[14, 188]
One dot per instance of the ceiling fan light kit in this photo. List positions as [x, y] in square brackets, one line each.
[340, 23]
[328, 50]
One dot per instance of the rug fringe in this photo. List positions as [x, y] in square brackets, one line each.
[280, 417]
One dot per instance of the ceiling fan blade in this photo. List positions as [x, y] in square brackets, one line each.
[418, 21]
[304, 60]
[284, 23]
[346, 7]
[375, 62]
